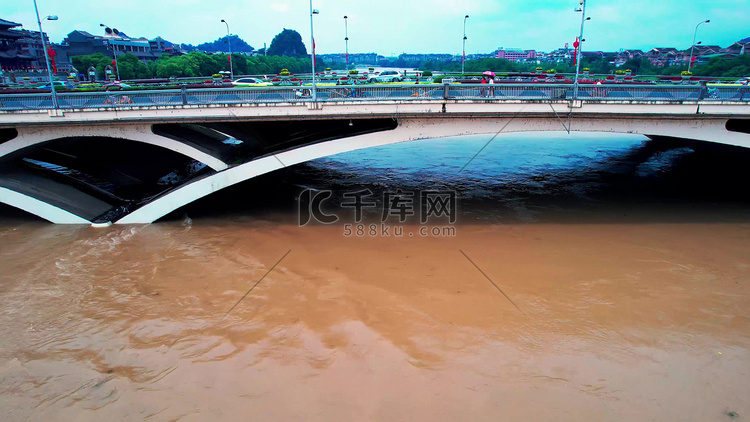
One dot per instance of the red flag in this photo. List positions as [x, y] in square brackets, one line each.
[52, 54]
[576, 44]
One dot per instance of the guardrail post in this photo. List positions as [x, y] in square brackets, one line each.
[446, 90]
[183, 88]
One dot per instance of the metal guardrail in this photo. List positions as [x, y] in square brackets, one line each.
[391, 92]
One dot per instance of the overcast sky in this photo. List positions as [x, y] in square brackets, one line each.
[392, 27]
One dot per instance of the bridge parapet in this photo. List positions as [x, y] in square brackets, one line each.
[367, 93]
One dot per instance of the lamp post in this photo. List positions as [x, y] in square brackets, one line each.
[692, 46]
[46, 56]
[312, 39]
[114, 51]
[346, 31]
[229, 43]
[581, 9]
[463, 61]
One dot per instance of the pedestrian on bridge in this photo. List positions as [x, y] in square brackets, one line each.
[488, 77]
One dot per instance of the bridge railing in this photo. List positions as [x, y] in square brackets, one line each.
[391, 92]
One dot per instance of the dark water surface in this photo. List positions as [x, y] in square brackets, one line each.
[621, 271]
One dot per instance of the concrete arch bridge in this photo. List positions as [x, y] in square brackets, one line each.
[99, 160]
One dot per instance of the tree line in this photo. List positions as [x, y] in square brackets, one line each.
[288, 52]
[194, 64]
[717, 66]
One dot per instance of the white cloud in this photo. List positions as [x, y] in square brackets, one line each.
[279, 7]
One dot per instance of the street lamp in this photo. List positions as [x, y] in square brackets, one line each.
[579, 50]
[114, 50]
[692, 46]
[312, 38]
[463, 61]
[46, 56]
[229, 43]
[346, 29]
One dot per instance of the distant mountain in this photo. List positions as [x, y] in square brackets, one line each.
[287, 43]
[746, 40]
[220, 45]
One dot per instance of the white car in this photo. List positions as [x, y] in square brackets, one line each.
[249, 82]
[387, 76]
[58, 84]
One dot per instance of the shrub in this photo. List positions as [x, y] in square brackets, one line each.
[426, 73]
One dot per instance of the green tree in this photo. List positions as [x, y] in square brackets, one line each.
[132, 68]
[205, 63]
[287, 43]
[734, 67]
[97, 60]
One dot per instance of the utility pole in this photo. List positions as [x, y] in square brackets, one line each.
[312, 38]
[692, 46]
[46, 55]
[114, 49]
[581, 9]
[463, 61]
[346, 31]
[229, 43]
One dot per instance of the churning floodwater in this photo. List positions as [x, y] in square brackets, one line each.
[586, 277]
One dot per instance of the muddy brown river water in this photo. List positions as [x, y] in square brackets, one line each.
[622, 309]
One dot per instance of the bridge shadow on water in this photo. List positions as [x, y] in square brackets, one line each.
[517, 178]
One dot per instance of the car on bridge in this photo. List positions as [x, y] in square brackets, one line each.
[58, 84]
[387, 76]
[249, 82]
[115, 85]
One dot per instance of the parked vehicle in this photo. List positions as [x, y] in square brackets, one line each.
[387, 76]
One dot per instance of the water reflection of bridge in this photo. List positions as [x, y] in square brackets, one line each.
[133, 157]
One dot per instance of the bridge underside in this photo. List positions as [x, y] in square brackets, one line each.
[137, 173]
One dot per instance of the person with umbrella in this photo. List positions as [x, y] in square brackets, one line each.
[488, 78]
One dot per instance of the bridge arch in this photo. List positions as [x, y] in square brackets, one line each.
[40, 208]
[409, 129]
[31, 136]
